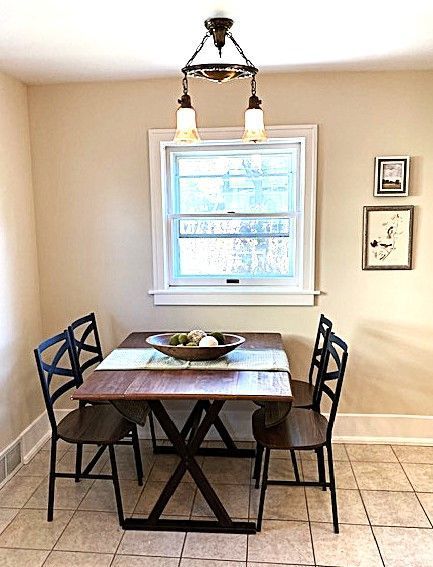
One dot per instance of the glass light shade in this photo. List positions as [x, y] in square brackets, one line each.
[186, 128]
[254, 126]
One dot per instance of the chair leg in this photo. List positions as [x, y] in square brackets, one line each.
[78, 462]
[295, 465]
[321, 466]
[333, 489]
[116, 485]
[137, 455]
[152, 431]
[52, 479]
[263, 489]
[258, 464]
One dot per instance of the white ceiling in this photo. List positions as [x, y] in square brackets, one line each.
[45, 41]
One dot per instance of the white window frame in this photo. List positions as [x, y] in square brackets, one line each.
[166, 294]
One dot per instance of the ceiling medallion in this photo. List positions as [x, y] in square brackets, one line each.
[219, 29]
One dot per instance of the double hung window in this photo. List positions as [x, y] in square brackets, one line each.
[233, 223]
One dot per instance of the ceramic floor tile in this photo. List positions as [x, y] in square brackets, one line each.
[136, 561]
[38, 466]
[281, 503]
[211, 563]
[354, 546]
[18, 490]
[158, 544]
[164, 466]
[281, 542]
[126, 467]
[403, 547]
[253, 564]
[221, 470]
[62, 447]
[68, 494]
[410, 454]
[426, 499]
[67, 462]
[344, 477]
[22, 557]
[350, 507]
[381, 476]
[6, 516]
[231, 547]
[180, 503]
[281, 469]
[338, 451]
[78, 559]
[235, 498]
[93, 532]
[420, 476]
[30, 529]
[394, 509]
[101, 496]
[371, 453]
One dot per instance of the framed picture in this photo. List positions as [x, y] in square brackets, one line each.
[387, 242]
[391, 178]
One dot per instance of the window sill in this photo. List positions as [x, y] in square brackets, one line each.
[233, 296]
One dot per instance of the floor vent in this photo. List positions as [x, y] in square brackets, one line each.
[13, 458]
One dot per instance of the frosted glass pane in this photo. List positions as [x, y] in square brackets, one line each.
[250, 248]
[262, 183]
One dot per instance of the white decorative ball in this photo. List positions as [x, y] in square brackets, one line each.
[208, 341]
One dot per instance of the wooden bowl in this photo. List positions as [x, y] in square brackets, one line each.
[160, 342]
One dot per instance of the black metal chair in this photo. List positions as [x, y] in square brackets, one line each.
[307, 429]
[303, 391]
[101, 426]
[84, 338]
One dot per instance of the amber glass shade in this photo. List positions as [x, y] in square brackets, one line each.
[186, 128]
[254, 126]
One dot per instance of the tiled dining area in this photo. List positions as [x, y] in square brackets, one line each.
[385, 499]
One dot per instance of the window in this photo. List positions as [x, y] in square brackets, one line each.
[233, 223]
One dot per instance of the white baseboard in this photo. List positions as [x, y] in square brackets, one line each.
[349, 428]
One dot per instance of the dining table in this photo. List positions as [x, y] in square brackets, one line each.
[208, 389]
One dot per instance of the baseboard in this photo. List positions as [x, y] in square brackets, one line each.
[349, 428]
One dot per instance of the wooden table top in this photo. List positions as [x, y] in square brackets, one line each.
[189, 384]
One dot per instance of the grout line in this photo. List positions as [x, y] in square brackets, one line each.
[366, 512]
[308, 515]
[413, 488]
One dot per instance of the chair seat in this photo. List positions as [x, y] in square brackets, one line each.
[302, 393]
[302, 429]
[95, 425]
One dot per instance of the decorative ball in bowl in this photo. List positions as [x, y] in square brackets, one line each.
[195, 345]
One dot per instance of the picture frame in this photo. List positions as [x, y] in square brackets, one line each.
[391, 176]
[387, 238]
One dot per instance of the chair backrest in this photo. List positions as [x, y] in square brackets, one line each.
[323, 331]
[330, 379]
[50, 365]
[86, 344]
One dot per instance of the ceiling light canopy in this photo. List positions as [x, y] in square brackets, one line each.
[186, 129]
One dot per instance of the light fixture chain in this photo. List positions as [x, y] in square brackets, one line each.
[199, 48]
[239, 48]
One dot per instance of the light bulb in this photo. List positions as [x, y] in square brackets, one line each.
[186, 128]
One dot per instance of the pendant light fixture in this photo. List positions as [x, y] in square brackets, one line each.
[186, 128]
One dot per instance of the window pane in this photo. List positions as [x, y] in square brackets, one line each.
[243, 248]
[242, 182]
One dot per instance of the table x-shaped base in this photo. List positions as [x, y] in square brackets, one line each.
[187, 450]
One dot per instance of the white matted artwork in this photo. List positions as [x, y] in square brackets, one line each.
[387, 242]
[391, 178]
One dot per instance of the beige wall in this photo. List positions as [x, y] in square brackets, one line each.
[91, 179]
[20, 321]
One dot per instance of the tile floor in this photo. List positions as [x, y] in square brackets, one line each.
[385, 497]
